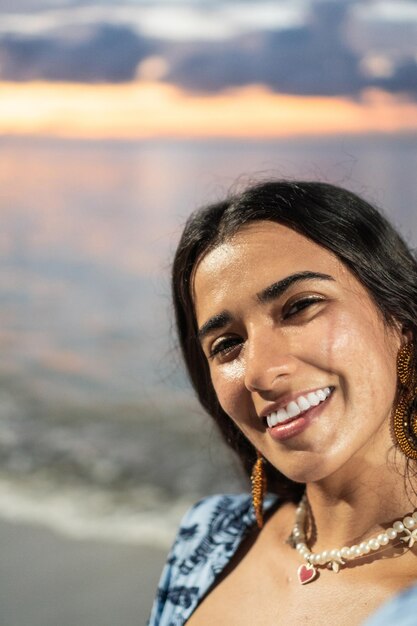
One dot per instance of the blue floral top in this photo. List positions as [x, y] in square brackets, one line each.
[209, 535]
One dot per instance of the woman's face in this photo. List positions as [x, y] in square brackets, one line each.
[287, 328]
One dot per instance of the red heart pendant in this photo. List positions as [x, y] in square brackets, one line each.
[306, 573]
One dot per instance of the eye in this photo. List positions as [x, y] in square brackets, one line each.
[224, 347]
[300, 305]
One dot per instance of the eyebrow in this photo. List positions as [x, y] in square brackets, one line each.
[272, 292]
[277, 289]
[214, 323]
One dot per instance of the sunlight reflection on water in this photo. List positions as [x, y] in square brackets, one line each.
[88, 230]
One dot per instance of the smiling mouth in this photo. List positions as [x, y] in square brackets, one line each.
[297, 407]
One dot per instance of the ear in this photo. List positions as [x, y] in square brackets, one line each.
[404, 334]
[407, 335]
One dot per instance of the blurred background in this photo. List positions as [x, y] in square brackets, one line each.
[117, 119]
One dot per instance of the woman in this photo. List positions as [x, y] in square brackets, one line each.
[296, 307]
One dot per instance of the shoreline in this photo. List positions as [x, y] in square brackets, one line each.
[84, 513]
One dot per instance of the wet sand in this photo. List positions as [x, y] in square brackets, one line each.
[48, 580]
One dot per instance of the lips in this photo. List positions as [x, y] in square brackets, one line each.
[298, 406]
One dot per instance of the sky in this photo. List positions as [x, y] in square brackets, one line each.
[137, 69]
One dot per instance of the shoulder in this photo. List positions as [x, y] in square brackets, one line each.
[211, 522]
[400, 610]
[208, 536]
[219, 520]
[232, 509]
[214, 513]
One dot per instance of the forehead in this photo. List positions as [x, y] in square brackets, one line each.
[257, 255]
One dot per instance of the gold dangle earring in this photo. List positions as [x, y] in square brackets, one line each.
[405, 422]
[258, 480]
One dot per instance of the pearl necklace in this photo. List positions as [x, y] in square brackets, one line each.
[333, 559]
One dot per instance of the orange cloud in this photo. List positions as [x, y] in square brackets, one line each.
[150, 109]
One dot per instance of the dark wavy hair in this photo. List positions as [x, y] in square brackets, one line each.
[334, 218]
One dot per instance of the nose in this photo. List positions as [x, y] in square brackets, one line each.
[268, 360]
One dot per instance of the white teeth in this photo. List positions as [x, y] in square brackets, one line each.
[295, 407]
[276, 418]
[313, 398]
[272, 420]
[303, 403]
[281, 415]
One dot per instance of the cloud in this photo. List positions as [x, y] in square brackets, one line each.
[402, 80]
[310, 59]
[174, 21]
[308, 48]
[389, 10]
[105, 54]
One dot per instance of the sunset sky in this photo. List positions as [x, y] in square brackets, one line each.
[138, 69]
[146, 110]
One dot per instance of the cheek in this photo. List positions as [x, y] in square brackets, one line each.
[366, 356]
[228, 382]
[235, 399]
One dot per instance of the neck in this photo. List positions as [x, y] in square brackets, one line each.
[345, 513]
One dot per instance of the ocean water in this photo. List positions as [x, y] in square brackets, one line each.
[99, 432]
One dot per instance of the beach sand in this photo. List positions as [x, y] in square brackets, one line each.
[48, 579]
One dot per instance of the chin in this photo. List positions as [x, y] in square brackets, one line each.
[307, 470]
